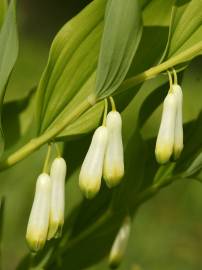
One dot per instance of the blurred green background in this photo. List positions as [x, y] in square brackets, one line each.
[167, 231]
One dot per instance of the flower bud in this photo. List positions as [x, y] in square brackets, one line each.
[91, 170]
[57, 205]
[114, 159]
[39, 217]
[178, 140]
[165, 139]
[120, 243]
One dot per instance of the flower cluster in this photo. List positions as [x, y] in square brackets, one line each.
[104, 157]
[47, 214]
[170, 137]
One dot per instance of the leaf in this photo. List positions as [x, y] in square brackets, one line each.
[8, 55]
[3, 9]
[70, 72]
[54, 103]
[191, 85]
[160, 7]
[116, 53]
[185, 28]
[94, 114]
[153, 26]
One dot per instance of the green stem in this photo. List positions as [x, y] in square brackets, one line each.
[170, 80]
[152, 72]
[112, 104]
[34, 144]
[105, 113]
[57, 150]
[47, 159]
[175, 76]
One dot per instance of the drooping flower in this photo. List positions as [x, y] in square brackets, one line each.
[114, 158]
[92, 167]
[57, 206]
[178, 139]
[38, 223]
[166, 135]
[120, 244]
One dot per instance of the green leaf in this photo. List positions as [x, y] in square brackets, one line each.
[55, 102]
[153, 54]
[70, 73]
[3, 9]
[122, 19]
[160, 7]
[191, 85]
[8, 55]
[185, 28]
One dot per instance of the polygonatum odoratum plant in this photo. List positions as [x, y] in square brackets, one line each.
[104, 130]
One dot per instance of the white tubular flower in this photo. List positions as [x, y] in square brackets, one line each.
[178, 141]
[120, 244]
[91, 170]
[114, 159]
[57, 175]
[166, 135]
[37, 228]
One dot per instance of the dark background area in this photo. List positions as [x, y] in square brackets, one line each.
[45, 18]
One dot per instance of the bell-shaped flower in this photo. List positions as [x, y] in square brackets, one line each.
[91, 170]
[37, 228]
[166, 135]
[178, 140]
[114, 158]
[120, 244]
[57, 205]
